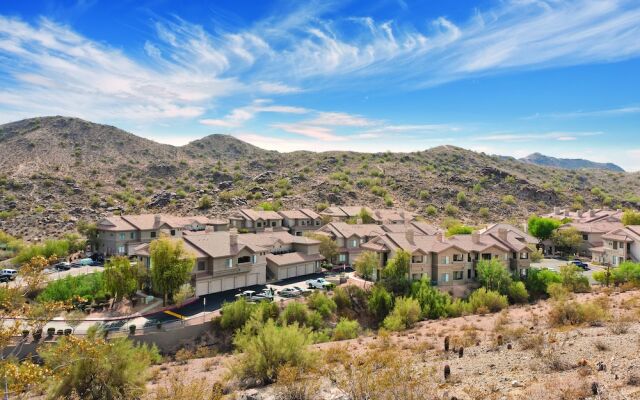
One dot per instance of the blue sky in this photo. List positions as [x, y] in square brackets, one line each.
[504, 77]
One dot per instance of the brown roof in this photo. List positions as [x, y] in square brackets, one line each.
[143, 249]
[519, 233]
[418, 226]
[217, 244]
[293, 258]
[629, 233]
[115, 223]
[255, 215]
[347, 230]
[595, 227]
[268, 239]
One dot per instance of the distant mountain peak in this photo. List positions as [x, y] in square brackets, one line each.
[569, 163]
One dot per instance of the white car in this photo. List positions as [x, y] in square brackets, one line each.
[319, 283]
[11, 273]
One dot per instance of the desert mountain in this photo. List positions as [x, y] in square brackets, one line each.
[57, 170]
[569, 163]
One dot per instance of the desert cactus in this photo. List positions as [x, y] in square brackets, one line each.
[446, 343]
[499, 340]
[460, 352]
[447, 372]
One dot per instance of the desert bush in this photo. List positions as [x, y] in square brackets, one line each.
[180, 388]
[265, 347]
[538, 281]
[434, 303]
[295, 384]
[346, 329]
[321, 303]
[406, 312]
[458, 308]
[295, 312]
[235, 314]
[573, 279]
[517, 293]
[342, 299]
[88, 287]
[567, 312]
[489, 300]
[380, 303]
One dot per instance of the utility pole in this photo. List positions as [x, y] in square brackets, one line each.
[204, 308]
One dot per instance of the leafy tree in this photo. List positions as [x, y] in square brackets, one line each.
[626, 272]
[380, 302]
[517, 292]
[538, 281]
[295, 312]
[573, 279]
[542, 228]
[433, 302]
[171, 266]
[395, 274]
[405, 313]
[120, 277]
[567, 240]
[328, 247]
[235, 314]
[493, 275]
[90, 231]
[85, 287]
[32, 273]
[186, 291]
[483, 301]
[366, 263]
[92, 368]
[631, 217]
[321, 303]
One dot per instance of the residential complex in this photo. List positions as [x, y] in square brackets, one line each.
[349, 238]
[247, 220]
[619, 245]
[378, 216]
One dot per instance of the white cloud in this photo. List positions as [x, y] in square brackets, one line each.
[315, 132]
[240, 115]
[620, 111]
[527, 137]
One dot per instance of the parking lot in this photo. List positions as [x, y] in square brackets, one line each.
[555, 265]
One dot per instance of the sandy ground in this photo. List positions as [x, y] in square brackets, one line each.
[564, 366]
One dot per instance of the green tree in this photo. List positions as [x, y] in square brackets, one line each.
[93, 368]
[90, 231]
[120, 277]
[493, 275]
[542, 228]
[380, 303]
[406, 312]
[433, 302]
[631, 217]
[396, 272]
[171, 266]
[517, 292]
[573, 280]
[538, 281]
[366, 263]
[567, 240]
[328, 247]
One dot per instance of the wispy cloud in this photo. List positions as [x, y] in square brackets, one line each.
[527, 137]
[316, 132]
[238, 116]
[620, 111]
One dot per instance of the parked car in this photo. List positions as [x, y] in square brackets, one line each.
[4, 278]
[252, 295]
[62, 266]
[289, 292]
[10, 273]
[319, 283]
[582, 265]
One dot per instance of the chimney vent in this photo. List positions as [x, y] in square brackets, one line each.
[475, 237]
[233, 237]
[410, 234]
[502, 234]
[592, 213]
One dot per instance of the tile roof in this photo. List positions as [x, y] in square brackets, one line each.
[519, 233]
[293, 258]
[218, 244]
[347, 230]
[268, 239]
[115, 223]
[259, 214]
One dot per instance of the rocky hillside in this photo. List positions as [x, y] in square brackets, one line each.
[57, 170]
[569, 163]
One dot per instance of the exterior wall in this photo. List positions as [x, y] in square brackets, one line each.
[298, 227]
[420, 268]
[294, 270]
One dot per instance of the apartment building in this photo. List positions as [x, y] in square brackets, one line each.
[349, 239]
[450, 262]
[379, 216]
[120, 234]
[248, 220]
[300, 221]
[619, 245]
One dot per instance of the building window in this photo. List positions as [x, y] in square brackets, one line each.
[342, 257]
[274, 223]
[173, 232]
[132, 235]
[615, 245]
[354, 243]
[444, 260]
[121, 250]
[244, 259]
[153, 234]
[445, 277]
[458, 257]
[468, 274]
[201, 265]
[121, 236]
[229, 263]
[416, 259]
[585, 237]
[317, 223]
[258, 224]
[524, 255]
[458, 275]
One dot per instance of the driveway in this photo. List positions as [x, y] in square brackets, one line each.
[555, 265]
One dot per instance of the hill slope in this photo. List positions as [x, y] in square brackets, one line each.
[569, 163]
[56, 170]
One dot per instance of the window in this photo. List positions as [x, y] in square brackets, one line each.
[121, 250]
[173, 232]
[259, 224]
[132, 235]
[273, 223]
[342, 257]
[523, 272]
[244, 259]
[253, 259]
[317, 223]
[153, 234]
[458, 275]
[468, 274]
[458, 257]
[585, 237]
[229, 263]
[615, 245]
[201, 265]
[444, 260]
[524, 255]
[445, 277]
[416, 259]
[354, 243]
[121, 236]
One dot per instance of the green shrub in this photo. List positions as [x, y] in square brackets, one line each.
[89, 287]
[342, 299]
[321, 303]
[52, 247]
[509, 200]
[517, 293]
[458, 308]
[236, 314]
[459, 230]
[573, 279]
[431, 210]
[405, 313]
[483, 301]
[433, 302]
[627, 272]
[538, 281]
[346, 329]
[380, 303]
[295, 312]
[566, 312]
[264, 348]
[451, 210]
[461, 197]
[205, 202]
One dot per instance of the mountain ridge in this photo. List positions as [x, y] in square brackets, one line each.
[569, 163]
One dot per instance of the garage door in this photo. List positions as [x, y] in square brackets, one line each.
[291, 272]
[252, 279]
[228, 283]
[311, 268]
[202, 288]
[301, 270]
[241, 281]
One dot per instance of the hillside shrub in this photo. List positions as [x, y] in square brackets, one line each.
[346, 329]
[538, 281]
[517, 293]
[483, 301]
[235, 314]
[89, 287]
[295, 312]
[321, 303]
[380, 303]
[406, 312]
[433, 302]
